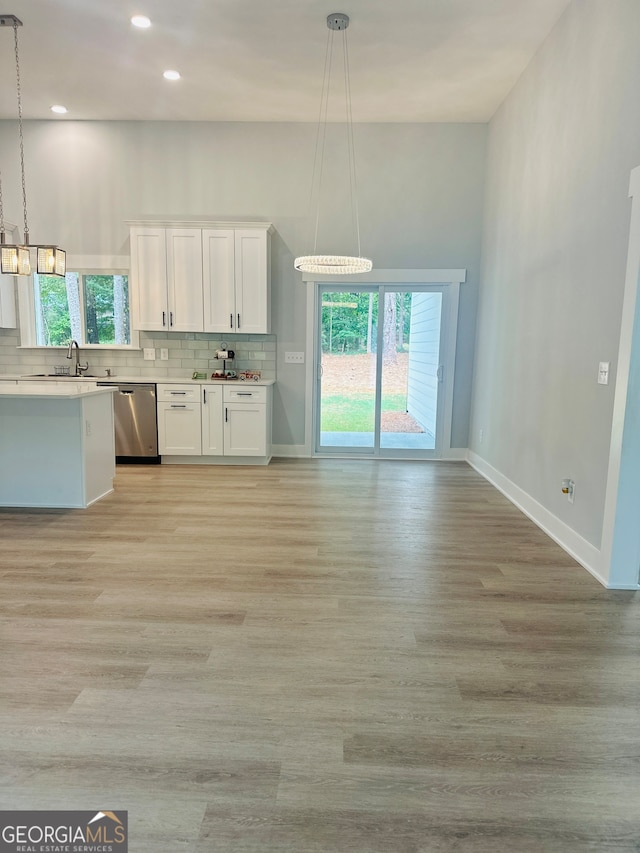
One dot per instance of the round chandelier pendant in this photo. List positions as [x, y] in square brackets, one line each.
[333, 264]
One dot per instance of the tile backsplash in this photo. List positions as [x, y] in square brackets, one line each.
[188, 351]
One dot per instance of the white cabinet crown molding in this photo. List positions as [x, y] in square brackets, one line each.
[199, 223]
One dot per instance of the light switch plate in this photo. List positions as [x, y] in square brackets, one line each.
[149, 354]
[164, 354]
[294, 357]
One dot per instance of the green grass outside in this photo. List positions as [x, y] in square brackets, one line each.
[356, 412]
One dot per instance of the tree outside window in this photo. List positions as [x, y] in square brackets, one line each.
[89, 308]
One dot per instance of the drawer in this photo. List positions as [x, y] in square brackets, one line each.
[176, 393]
[245, 394]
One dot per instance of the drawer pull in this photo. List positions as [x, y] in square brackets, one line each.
[176, 406]
[178, 393]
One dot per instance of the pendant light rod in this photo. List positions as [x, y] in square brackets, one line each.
[350, 143]
[17, 23]
[334, 264]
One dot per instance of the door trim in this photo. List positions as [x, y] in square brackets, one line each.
[449, 278]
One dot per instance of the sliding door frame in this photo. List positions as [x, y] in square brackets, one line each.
[449, 279]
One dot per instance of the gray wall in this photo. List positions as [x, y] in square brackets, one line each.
[560, 152]
[420, 190]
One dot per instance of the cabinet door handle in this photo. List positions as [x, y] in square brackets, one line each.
[164, 318]
[171, 318]
[226, 414]
[238, 321]
[176, 406]
[231, 321]
[204, 392]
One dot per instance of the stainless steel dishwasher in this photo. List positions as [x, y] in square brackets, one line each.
[134, 413]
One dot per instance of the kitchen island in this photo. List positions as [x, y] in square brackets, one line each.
[56, 445]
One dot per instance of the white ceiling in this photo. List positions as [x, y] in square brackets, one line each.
[262, 60]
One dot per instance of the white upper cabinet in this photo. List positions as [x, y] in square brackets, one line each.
[219, 279]
[202, 279]
[166, 268]
[236, 271]
[149, 277]
[184, 279]
[252, 281]
[7, 302]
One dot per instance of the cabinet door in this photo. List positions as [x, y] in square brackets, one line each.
[218, 280]
[149, 278]
[184, 279]
[252, 277]
[212, 436]
[179, 429]
[245, 429]
[7, 302]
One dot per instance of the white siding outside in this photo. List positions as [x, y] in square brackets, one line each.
[424, 358]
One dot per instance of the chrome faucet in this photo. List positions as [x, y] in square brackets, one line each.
[79, 368]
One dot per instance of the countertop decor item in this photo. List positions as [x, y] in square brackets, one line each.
[333, 264]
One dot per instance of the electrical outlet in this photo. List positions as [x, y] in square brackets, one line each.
[568, 488]
[603, 373]
[87, 425]
[164, 354]
[294, 357]
[481, 436]
[149, 354]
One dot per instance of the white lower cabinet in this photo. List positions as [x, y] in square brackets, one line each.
[214, 420]
[245, 421]
[179, 426]
[212, 435]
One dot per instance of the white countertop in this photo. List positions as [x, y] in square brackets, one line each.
[49, 390]
[131, 380]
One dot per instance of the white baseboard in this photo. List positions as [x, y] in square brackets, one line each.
[301, 451]
[291, 451]
[575, 545]
[454, 454]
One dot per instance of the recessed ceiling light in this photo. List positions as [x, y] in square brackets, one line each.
[141, 21]
[58, 108]
[171, 75]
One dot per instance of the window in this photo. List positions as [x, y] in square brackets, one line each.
[90, 308]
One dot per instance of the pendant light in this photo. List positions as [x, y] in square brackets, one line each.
[334, 264]
[15, 258]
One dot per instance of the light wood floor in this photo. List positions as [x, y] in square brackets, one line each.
[322, 656]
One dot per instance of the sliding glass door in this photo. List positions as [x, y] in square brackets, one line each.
[380, 370]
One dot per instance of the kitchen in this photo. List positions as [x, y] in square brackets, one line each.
[192, 280]
[323, 653]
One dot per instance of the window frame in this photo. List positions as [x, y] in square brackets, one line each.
[26, 305]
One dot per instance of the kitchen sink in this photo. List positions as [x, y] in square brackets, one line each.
[57, 376]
